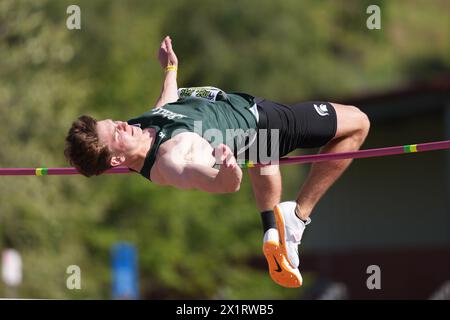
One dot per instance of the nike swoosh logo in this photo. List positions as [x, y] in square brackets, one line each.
[278, 265]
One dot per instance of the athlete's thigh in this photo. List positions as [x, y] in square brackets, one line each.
[349, 119]
[310, 124]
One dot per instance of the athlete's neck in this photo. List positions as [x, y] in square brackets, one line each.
[136, 162]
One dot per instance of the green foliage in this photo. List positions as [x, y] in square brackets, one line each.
[191, 244]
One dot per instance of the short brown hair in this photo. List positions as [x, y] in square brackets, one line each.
[83, 149]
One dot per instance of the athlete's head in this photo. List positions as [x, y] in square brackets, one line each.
[94, 146]
[84, 150]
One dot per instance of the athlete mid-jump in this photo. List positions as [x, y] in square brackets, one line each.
[178, 143]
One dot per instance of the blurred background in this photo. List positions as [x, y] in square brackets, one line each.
[391, 212]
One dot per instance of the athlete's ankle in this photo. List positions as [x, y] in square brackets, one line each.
[299, 215]
[268, 220]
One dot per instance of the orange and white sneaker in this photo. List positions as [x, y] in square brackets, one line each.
[280, 270]
[290, 230]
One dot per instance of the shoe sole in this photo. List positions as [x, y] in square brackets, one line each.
[279, 269]
[280, 226]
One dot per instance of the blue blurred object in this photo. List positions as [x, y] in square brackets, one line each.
[125, 271]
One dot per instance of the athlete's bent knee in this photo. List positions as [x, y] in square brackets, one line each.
[363, 122]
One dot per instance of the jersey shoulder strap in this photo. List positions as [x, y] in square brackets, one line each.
[160, 137]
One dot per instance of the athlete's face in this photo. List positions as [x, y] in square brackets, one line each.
[121, 138]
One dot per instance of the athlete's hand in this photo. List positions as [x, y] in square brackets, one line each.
[230, 174]
[224, 156]
[166, 55]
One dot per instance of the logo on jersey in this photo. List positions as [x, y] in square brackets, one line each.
[167, 113]
[322, 109]
[162, 135]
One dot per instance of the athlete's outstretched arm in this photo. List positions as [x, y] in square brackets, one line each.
[169, 63]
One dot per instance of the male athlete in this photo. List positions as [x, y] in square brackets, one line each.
[172, 144]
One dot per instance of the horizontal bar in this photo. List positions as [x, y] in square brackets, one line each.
[368, 153]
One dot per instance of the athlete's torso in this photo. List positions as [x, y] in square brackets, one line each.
[193, 125]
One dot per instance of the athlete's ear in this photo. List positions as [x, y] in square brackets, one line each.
[117, 160]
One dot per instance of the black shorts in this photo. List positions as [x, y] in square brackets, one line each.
[309, 124]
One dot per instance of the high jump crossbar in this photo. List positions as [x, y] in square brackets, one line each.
[368, 153]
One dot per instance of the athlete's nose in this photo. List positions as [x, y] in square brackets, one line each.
[123, 125]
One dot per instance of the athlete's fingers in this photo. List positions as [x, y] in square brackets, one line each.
[230, 166]
[230, 161]
[222, 153]
[169, 45]
[218, 153]
[226, 153]
[163, 44]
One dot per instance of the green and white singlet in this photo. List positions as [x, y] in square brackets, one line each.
[217, 121]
